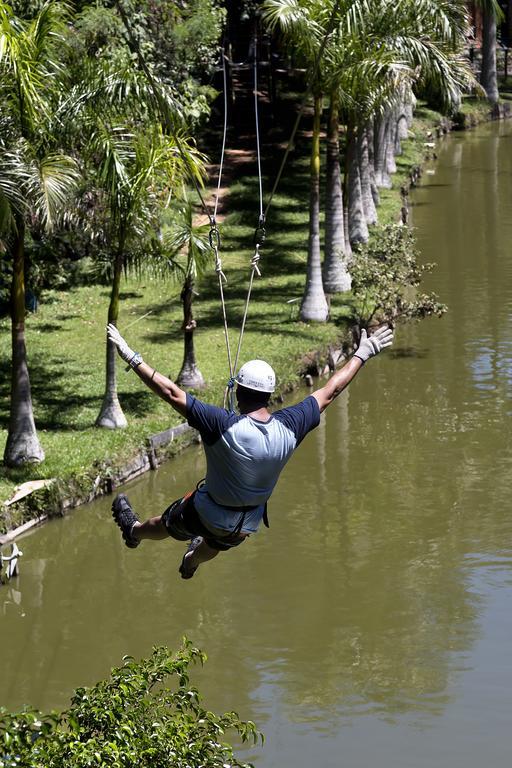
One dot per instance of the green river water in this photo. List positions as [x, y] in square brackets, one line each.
[371, 627]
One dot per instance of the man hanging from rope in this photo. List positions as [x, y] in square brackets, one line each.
[244, 453]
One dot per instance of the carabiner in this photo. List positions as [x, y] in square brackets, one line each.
[260, 232]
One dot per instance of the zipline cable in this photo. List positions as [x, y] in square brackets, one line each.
[261, 221]
[214, 235]
[259, 235]
[163, 107]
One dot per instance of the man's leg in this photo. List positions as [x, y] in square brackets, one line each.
[153, 528]
[200, 551]
[200, 554]
[131, 527]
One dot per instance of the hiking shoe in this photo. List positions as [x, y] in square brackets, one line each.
[125, 517]
[187, 573]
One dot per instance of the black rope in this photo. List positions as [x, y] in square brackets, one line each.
[259, 234]
[224, 134]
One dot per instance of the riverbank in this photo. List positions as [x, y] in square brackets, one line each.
[65, 339]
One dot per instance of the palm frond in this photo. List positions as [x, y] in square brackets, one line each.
[7, 221]
[189, 242]
[112, 149]
[30, 55]
[52, 187]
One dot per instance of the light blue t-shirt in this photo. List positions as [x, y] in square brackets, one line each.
[244, 458]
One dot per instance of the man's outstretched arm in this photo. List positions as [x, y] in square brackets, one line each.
[369, 346]
[159, 384]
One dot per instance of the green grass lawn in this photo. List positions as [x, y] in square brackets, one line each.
[66, 337]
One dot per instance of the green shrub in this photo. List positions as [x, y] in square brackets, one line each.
[131, 720]
[386, 276]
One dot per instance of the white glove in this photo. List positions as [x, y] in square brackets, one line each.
[127, 353]
[372, 345]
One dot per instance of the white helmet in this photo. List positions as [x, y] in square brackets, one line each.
[258, 375]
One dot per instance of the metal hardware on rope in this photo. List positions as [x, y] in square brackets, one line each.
[214, 237]
[260, 232]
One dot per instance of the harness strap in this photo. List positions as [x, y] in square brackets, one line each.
[242, 510]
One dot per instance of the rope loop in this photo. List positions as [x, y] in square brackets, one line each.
[255, 259]
[218, 269]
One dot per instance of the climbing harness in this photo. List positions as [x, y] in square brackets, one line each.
[242, 511]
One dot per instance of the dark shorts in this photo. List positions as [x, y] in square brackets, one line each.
[183, 523]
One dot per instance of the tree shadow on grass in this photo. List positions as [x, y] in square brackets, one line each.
[69, 316]
[49, 327]
[138, 404]
[56, 407]
[130, 295]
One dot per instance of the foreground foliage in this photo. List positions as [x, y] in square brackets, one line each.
[130, 720]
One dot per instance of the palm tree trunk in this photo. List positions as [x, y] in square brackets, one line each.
[357, 227]
[111, 414]
[371, 163]
[190, 375]
[370, 211]
[22, 444]
[391, 144]
[314, 304]
[380, 137]
[335, 273]
[488, 75]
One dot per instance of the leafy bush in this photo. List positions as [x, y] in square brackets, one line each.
[131, 720]
[386, 277]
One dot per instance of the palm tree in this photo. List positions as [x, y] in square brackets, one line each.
[376, 51]
[336, 277]
[137, 173]
[136, 161]
[314, 304]
[398, 45]
[303, 25]
[36, 183]
[192, 238]
[491, 14]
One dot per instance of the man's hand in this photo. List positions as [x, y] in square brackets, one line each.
[126, 352]
[372, 345]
